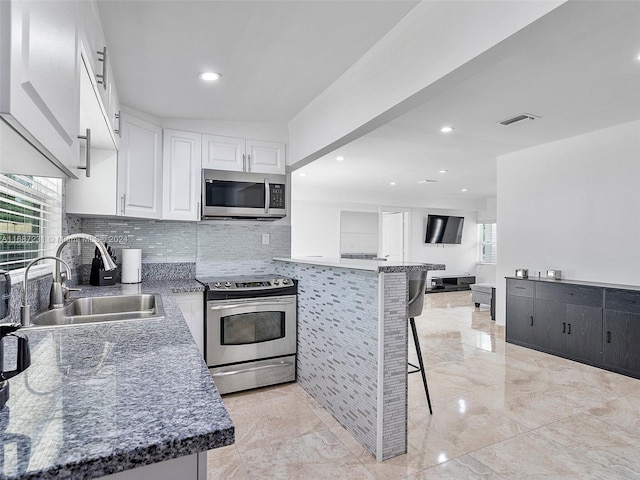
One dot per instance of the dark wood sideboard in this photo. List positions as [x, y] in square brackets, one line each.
[593, 323]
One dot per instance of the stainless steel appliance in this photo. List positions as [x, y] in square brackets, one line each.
[7, 331]
[250, 331]
[243, 195]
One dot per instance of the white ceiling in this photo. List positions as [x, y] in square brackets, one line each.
[274, 56]
[576, 68]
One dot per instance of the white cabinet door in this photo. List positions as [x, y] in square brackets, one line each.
[181, 175]
[96, 194]
[188, 467]
[91, 34]
[223, 153]
[265, 157]
[114, 114]
[39, 65]
[94, 49]
[140, 169]
[191, 305]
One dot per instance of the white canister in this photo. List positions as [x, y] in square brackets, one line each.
[131, 265]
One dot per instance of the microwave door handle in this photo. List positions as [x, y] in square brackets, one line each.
[267, 195]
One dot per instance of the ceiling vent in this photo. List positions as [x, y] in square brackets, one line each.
[428, 180]
[520, 118]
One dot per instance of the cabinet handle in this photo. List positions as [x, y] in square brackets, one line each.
[564, 327]
[608, 337]
[531, 317]
[102, 78]
[248, 163]
[568, 329]
[87, 167]
[244, 162]
[122, 203]
[118, 131]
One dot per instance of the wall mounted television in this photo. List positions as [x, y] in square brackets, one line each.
[444, 229]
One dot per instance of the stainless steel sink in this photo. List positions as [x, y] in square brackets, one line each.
[103, 309]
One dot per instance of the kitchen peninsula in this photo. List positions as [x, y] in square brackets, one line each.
[352, 344]
[119, 400]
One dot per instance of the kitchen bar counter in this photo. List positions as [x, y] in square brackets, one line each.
[362, 264]
[104, 398]
[352, 344]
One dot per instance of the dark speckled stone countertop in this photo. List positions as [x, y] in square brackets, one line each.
[379, 266]
[103, 398]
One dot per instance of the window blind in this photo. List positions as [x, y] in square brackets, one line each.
[30, 218]
[487, 243]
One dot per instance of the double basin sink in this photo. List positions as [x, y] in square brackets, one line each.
[102, 309]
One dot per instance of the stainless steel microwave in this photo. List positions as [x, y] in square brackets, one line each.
[243, 195]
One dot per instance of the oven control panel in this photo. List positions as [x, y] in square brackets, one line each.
[246, 284]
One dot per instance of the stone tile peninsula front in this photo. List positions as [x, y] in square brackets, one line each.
[352, 344]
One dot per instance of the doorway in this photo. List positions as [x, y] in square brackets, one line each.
[395, 235]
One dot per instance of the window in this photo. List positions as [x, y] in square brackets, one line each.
[487, 243]
[30, 218]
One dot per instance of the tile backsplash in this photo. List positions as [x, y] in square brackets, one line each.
[170, 250]
[210, 247]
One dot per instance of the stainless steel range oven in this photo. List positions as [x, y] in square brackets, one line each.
[250, 331]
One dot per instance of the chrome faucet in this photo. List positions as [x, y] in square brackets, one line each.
[58, 290]
[25, 309]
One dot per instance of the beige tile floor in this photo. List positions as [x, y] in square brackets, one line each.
[500, 412]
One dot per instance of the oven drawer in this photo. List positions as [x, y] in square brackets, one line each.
[243, 376]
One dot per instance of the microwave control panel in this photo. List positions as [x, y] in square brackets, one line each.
[276, 195]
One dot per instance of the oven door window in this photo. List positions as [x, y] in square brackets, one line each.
[255, 327]
[223, 193]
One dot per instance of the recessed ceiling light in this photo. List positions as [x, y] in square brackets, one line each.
[209, 76]
[463, 190]
[392, 183]
[303, 174]
[340, 159]
[443, 171]
[446, 129]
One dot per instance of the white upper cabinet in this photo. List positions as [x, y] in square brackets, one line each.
[39, 76]
[223, 153]
[181, 166]
[265, 157]
[113, 110]
[140, 169]
[241, 155]
[95, 191]
[99, 61]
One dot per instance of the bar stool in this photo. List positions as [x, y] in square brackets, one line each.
[417, 284]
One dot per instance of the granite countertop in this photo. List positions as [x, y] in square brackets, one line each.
[584, 283]
[362, 264]
[103, 398]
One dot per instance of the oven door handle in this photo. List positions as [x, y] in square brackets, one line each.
[250, 303]
[252, 369]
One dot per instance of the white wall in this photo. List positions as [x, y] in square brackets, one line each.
[315, 230]
[315, 226]
[572, 205]
[273, 132]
